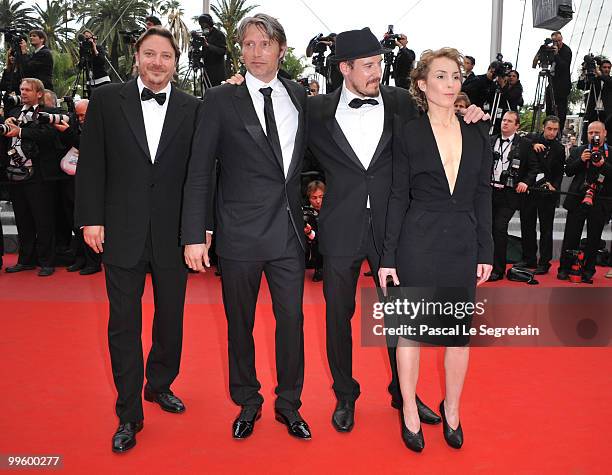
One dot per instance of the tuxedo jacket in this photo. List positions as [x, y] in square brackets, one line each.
[118, 186]
[522, 149]
[254, 200]
[348, 183]
[38, 65]
[581, 173]
[551, 161]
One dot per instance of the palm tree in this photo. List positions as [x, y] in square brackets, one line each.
[13, 14]
[106, 18]
[54, 23]
[172, 9]
[230, 13]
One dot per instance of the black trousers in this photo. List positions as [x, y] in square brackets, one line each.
[34, 207]
[538, 206]
[240, 283]
[313, 255]
[596, 218]
[340, 276]
[561, 108]
[125, 288]
[505, 202]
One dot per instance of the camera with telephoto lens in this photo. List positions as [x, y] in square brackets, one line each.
[594, 148]
[389, 38]
[10, 101]
[590, 63]
[12, 37]
[500, 67]
[4, 129]
[85, 48]
[131, 36]
[310, 216]
[546, 53]
[305, 84]
[319, 45]
[48, 118]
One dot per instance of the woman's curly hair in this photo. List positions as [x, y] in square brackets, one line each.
[422, 69]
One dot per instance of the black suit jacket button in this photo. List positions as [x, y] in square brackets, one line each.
[454, 201]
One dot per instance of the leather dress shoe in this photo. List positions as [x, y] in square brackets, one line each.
[495, 277]
[89, 270]
[125, 437]
[77, 266]
[413, 440]
[318, 275]
[167, 401]
[453, 437]
[245, 422]
[343, 418]
[19, 268]
[587, 278]
[296, 426]
[426, 415]
[562, 274]
[46, 271]
[541, 270]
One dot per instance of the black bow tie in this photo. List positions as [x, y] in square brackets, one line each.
[147, 94]
[357, 103]
[505, 140]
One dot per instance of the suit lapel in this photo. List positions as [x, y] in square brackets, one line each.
[246, 111]
[174, 118]
[130, 105]
[388, 96]
[299, 136]
[329, 115]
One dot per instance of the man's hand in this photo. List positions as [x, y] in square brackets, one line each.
[586, 155]
[62, 126]
[197, 254]
[483, 272]
[13, 130]
[236, 80]
[94, 237]
[521, 187]
[539, 147]
[385, 272]
[474, 114]
[307, 229]
[11, 120]
[550, 187]
[599, 163]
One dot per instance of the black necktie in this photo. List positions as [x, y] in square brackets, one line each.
[147, 94]
[357, 103]
[271, 130]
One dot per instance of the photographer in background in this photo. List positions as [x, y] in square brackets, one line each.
[316, 49]
[209, 48]
[9, 84]
[540, 202]
[315, 193]
[313, 88]
[152, 21]
[92, 57]
[514, 170]
[511, 91]
[33, 169]
[468, 63]
[591, 168]
[596, 82]
[481, 89]
[39, 64]
[404, 62]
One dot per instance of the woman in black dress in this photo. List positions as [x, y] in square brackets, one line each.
[438, 226]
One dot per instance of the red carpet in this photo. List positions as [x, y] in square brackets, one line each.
[524, 410]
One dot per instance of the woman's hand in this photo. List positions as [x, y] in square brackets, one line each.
[483, 272]
[383, 274]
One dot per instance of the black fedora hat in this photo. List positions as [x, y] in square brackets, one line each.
[355, 44]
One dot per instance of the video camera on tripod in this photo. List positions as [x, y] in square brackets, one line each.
[85, 49]
[500, 67]
[318, 47]
[390, 38]
[590, 64]
[131, 36]
[12, 37]
[546, 54]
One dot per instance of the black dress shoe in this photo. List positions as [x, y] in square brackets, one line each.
[343, 418]
[77, 266]
[19, 268]
[426, 415]
[167, 401]
[89, 270]
[453, 437]
[245, 422]
[46, 271]
[414, 441]
[525, 265]
[125, 437]
[562, 274]
[296, 426]
[541, 270]
[318, 275]
[495, 277]
[587, 278]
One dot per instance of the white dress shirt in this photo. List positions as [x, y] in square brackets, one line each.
[504, 151]
[362, 127]
[285, 113]
[154, 116]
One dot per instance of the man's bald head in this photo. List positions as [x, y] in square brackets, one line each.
[80, 109]
[597, 128]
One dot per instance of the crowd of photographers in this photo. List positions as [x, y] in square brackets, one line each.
[40, 144]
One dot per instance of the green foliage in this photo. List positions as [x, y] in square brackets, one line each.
[64, 73]
[292, 64]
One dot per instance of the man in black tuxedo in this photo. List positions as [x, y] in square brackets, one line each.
[39, 64]
[514, 170]
[404, 61]
[257, 132]
[133, 160]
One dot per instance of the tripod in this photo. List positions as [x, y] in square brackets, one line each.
[495, 108]
[388, 58]
[84, 77]
[543, 87]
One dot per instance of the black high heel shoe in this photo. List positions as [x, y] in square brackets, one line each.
[414, 441]
[453, 437]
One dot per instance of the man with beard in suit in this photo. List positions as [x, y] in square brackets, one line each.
[257, 133]
[132, 165]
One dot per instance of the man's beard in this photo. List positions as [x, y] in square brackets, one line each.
[366, 93]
